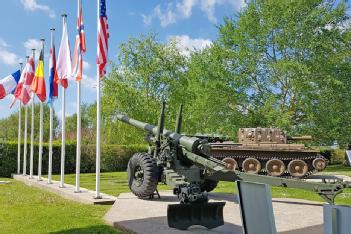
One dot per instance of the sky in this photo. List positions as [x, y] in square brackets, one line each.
[24, 22]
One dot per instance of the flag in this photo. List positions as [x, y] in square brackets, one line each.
[8, 84]
[80, 46]
[23, 91]
[102, 38]
[53, 82]
[38, 84]
[64, 63]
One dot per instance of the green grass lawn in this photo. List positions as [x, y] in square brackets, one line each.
[24, 209]
[115, 183]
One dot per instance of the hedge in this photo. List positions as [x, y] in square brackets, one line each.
[113, 157]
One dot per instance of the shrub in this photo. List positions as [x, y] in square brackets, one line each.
[338, 156]
[113, 157]
[335, 156]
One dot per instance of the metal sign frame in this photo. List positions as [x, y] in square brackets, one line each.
[256, 208]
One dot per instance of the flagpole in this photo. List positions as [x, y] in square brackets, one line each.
[41, 125]
[78, 140]
[63, 120]
[98, 116]
[24, 171]
[79, 122]
[19, 132]
[51, 121]
[32, 132]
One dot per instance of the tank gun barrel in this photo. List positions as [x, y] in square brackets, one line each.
[192, 144]
[300, 138]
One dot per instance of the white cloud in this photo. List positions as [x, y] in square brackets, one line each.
[32, 44]
[32, 5]
[89, 82]
[208, 6]
[3, 43]
[166, 16]
[86, 65]
[184, 8]
[187, 45]
[6, 56]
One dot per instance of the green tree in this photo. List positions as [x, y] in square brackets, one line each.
[88, 123]
[9, 125]
[148, 73]
[294, 59]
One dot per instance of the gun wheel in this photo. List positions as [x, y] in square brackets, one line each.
[319, 164]
[251, 165]
[275, 167]
[231, 164]
[208, 185]
[142, 175]
[297, 168]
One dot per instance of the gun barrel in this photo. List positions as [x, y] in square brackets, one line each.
[300, 138]
[192, 144]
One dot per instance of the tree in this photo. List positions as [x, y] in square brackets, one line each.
[148, 73]
[88, 123]
[9, 125]
[294, 59]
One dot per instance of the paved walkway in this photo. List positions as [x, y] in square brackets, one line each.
[149, 216]
[85, 196]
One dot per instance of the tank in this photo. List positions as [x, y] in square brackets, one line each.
[269, 151]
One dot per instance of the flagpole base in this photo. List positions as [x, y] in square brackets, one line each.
[77, 191]
[98, 197]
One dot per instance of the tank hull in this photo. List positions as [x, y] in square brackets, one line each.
[263, 153]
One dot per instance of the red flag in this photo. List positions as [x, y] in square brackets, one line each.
[23, 91]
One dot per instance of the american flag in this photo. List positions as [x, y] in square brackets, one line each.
[80, 45]
[103, 36]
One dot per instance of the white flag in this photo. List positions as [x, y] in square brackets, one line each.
[64, 62]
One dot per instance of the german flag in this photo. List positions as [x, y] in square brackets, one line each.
[38, 84]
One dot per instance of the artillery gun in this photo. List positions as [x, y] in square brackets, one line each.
[185, 164]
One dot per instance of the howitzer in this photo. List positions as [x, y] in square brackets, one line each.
[184, 163]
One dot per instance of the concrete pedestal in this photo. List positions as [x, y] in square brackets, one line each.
[85, 196]
[149, 216]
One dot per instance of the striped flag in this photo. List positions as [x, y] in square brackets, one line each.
[80, 46]
[9, 83]
[23, 91]
[38, 84]
[103, 35]
[53, 82]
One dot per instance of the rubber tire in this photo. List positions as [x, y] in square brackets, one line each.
[208, 185]
[150, 179]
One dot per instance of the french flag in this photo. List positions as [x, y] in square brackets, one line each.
[9, 84]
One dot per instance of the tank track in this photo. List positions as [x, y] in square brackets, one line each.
[264, 156]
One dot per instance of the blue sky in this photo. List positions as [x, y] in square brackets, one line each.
[24, 22]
